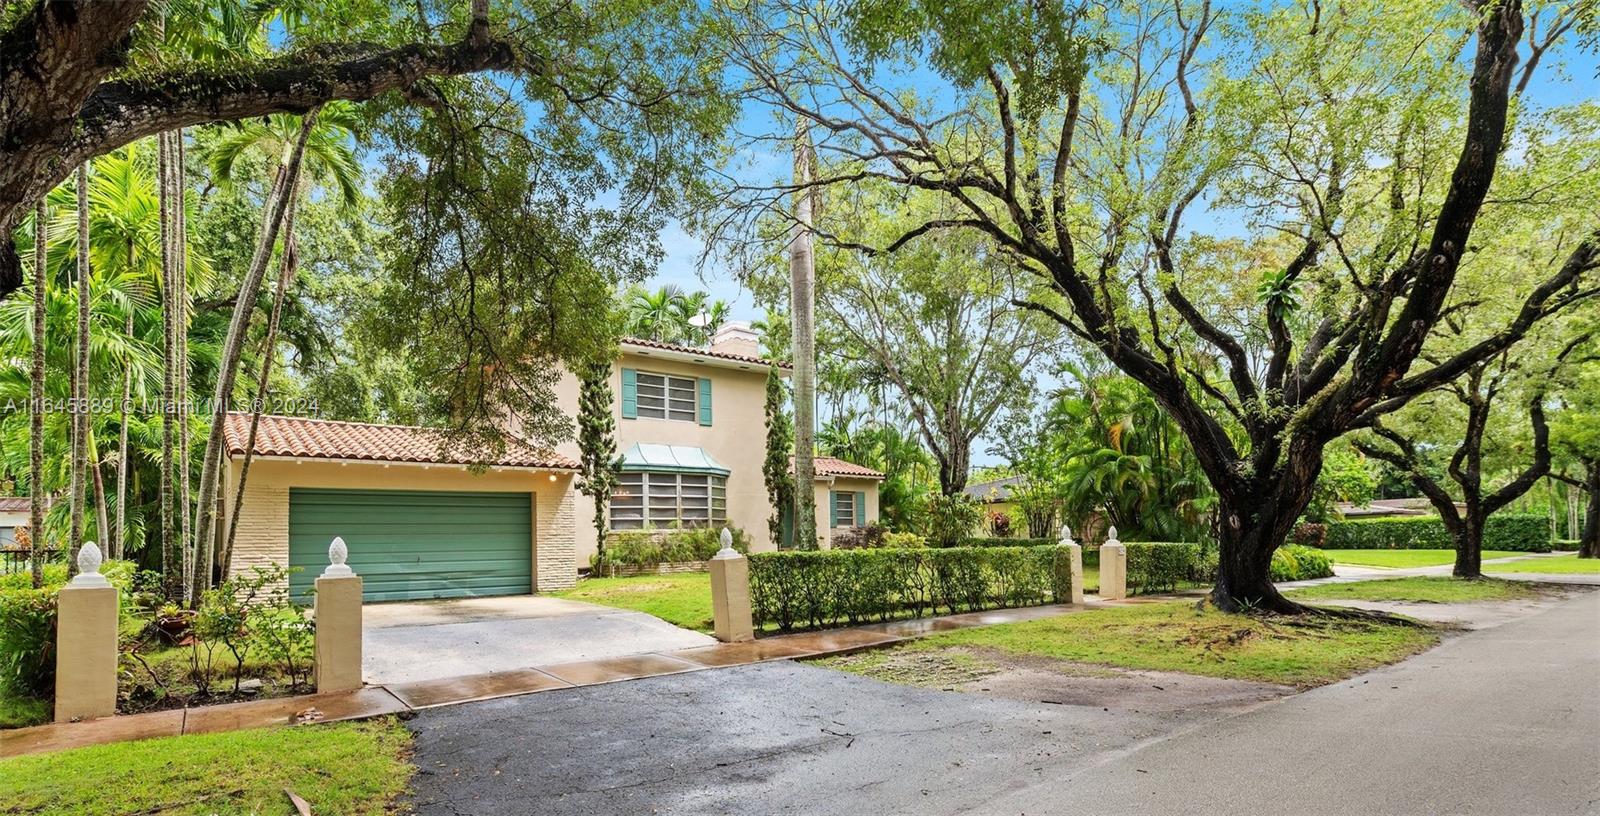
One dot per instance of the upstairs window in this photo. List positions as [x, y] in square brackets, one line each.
[662, 396]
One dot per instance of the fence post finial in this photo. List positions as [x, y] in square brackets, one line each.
[89, 567]
[337, 554]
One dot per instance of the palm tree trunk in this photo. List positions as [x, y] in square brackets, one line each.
[802, 296]
[290, 264]
[80, 377]
[118, 542]
[283, 187]
[41, 289]
[102, 524]
[193, 563]
[170, 568]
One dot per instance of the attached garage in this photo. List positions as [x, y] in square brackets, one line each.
[421, 520]
[415, 544]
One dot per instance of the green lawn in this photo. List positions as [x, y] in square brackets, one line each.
[1555, 565]
[1176, 636]
[1401, 559]
[682, 599]
[19, 712]
[1420, 590]
[340, 768]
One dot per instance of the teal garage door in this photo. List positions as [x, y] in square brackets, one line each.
[414, 544]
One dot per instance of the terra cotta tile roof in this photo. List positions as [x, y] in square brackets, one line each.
[721, 355]
[831, 466]
[303, 437]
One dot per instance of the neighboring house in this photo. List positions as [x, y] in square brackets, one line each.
[995, 496]
[691, 429]
[1381, 508]
[14, 512]
[846, 497]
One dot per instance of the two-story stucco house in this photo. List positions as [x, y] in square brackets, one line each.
[420, 524]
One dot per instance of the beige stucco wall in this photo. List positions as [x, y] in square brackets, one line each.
[826, 484]
[263, 537]
[736, 437]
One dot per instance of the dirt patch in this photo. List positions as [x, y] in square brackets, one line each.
[1028, 678]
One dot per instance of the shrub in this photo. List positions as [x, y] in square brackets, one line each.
[1292, 562]
[858, 538]
[951, 519]
[27, 641]
[646, 548]
[1309, 534]
[832, 587]
[999, 524]
[1518, 532]
[903, 540]
[1008, 542]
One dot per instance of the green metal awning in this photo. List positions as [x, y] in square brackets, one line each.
[670, 458]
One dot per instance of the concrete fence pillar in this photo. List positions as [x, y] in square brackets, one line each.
[1113, 568]
[86, 642]
[1075, 553]
[730, 594]
[338, 616]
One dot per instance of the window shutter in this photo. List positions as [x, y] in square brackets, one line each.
[861, 508]
[833, 508]
[630, 394]
[705, 401]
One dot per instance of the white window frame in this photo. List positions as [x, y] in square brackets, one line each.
[666, 396]
[665, 499]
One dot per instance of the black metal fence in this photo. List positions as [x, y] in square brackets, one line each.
[20, 560]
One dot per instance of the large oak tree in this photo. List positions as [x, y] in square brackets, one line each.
[1085, 140]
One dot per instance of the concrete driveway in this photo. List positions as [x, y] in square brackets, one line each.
[1499, 721]
[428, 640]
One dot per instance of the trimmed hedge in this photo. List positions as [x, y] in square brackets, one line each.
[1164, 566]
[832, 587]
[1518, 532]
[1161, 566]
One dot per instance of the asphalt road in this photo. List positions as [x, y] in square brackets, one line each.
[1500, 721]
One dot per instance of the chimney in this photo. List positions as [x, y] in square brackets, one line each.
[736, 337]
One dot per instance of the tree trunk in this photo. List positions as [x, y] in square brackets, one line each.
[119, 535]
[1589, 545]
[1253, 520]
[80, 378]
[233, 347]
[171, 578]
[290, 263]
[1468, 540]
[102, 522]
[41, 293]
[802, 303]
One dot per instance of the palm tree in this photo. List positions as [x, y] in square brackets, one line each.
[285, 185]
[80, 376]
[119, 290]
[657, 315]
[41, 233]
[328, 156]
[802, 302]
